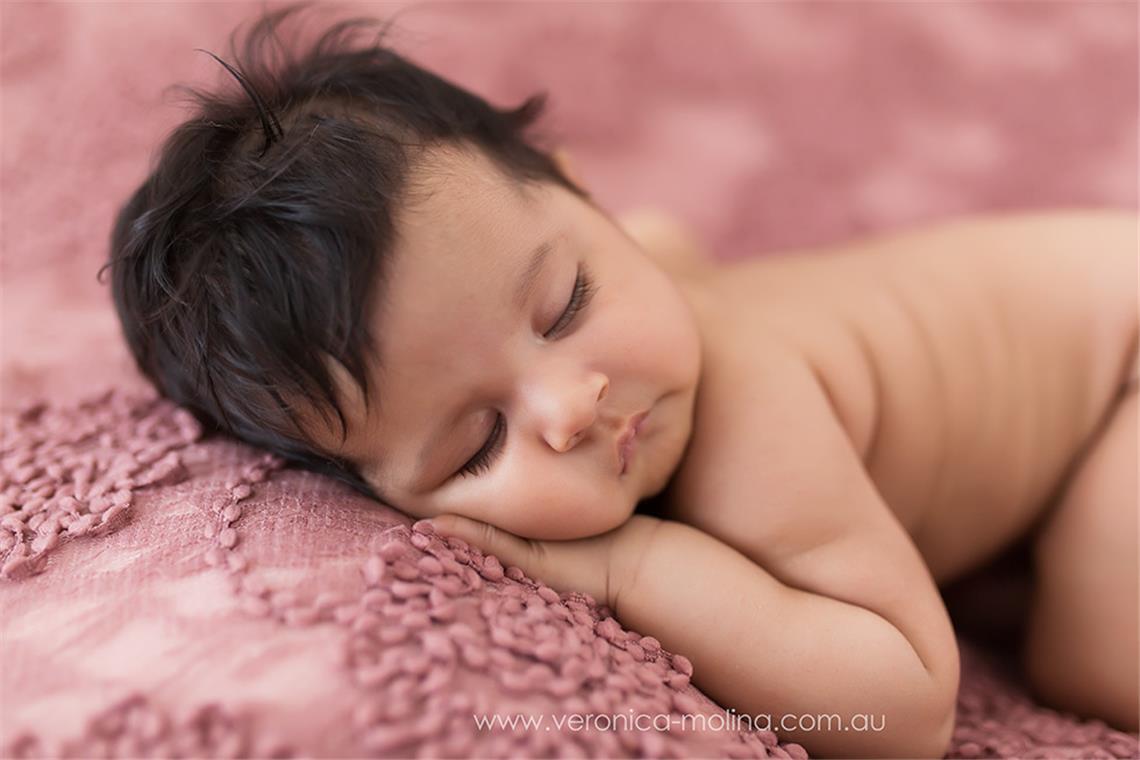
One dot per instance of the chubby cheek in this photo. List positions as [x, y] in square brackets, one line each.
[663, 352]
[559, 514]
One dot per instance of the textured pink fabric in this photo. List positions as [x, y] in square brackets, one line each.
[168, 595]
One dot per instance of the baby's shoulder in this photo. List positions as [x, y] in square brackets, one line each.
[775, 322]
[765, 437]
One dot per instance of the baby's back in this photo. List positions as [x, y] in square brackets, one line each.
[967, 362]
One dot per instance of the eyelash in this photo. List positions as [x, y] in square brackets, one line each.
[584, 290]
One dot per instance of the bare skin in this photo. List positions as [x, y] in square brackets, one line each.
[872, 421]
[989, 437]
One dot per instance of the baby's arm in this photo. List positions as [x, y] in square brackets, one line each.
[763, 647]
[758, 644]
[792, 495]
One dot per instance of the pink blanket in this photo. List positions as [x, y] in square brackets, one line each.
[168, 595]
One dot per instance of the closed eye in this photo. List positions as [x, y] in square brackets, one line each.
[584, 290]
[580, 297]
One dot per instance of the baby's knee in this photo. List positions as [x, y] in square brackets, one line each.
[1082, 678]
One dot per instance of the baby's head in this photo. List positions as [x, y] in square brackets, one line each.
[372, 273]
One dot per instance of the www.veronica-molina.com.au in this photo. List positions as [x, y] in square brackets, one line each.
[718, 721]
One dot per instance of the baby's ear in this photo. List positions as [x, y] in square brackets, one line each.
[562, 160]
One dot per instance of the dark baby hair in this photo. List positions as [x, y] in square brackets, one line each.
[256, 246]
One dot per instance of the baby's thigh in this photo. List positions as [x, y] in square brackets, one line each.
[1081, 650]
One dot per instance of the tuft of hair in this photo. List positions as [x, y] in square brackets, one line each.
[256, 246]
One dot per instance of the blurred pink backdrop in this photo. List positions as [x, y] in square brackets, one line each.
[765, 126]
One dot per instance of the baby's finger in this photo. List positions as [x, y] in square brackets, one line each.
[579, 565]
[509, 548]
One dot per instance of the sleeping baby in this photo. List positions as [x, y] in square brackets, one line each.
[771, 466]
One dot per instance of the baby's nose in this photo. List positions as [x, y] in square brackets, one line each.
[573, 440]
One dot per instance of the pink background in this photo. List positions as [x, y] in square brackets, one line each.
[764, 125]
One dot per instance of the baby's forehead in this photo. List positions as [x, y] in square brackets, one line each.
[455, 178]
[456, 243]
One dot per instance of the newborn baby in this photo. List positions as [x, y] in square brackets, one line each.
[771, 466]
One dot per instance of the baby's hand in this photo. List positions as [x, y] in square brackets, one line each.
[599, 565]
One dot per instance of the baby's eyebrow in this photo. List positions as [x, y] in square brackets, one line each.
[524, 289]
[528, 279]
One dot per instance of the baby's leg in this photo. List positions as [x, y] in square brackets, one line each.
[1082, 639]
